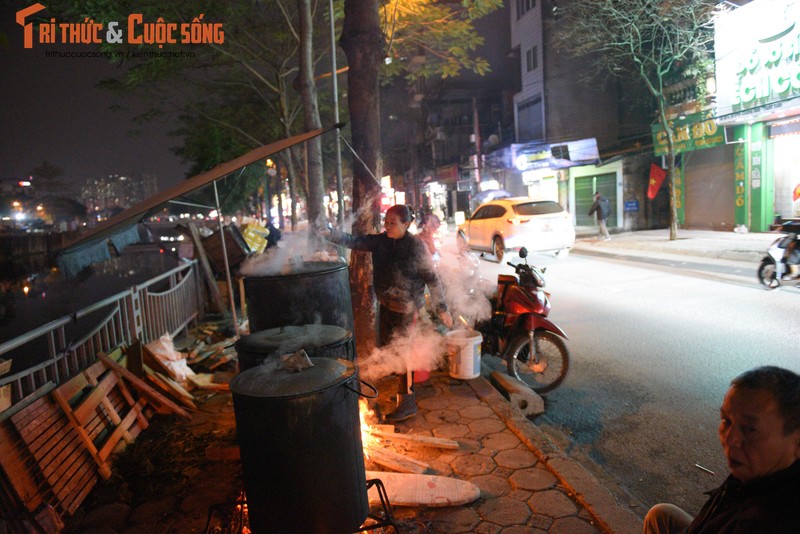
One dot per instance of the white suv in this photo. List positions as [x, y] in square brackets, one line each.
[513, 223]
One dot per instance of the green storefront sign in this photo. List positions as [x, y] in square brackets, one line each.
[690, 132]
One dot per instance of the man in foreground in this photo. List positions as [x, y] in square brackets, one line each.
[760, 434]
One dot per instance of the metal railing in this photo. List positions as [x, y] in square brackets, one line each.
[143, 312]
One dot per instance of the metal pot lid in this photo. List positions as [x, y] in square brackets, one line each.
[301, 268]
[289, 339]
[272, 380]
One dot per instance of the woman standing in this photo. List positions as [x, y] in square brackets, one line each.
[401, 268]
[428, 227]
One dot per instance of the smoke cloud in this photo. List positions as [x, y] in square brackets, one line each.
[420, 348]
[292, 250]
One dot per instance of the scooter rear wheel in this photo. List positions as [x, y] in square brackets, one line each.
[768, 274]
[551, 368]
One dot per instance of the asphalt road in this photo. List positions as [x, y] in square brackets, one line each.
[654, 344]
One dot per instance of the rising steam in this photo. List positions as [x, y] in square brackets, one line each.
[422, 347]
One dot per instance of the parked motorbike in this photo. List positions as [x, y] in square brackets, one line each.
[519, 331]
[783, 252]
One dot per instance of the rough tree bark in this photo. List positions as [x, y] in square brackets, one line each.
[308, 95]
[364, 45]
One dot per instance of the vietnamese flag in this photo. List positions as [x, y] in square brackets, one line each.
[657, 175]
[796, 192]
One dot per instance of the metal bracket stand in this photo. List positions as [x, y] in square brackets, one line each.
[387, 517]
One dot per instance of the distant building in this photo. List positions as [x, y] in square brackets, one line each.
[116, 192]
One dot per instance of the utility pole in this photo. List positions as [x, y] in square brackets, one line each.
[476, 133]
[335, 81]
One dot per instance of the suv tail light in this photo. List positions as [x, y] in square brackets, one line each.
[518, 220]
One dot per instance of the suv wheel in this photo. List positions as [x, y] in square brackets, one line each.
[498, 249]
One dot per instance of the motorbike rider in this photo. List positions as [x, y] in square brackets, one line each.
[791, 253]
[791, 257]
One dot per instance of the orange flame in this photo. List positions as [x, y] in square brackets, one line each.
[367, 417]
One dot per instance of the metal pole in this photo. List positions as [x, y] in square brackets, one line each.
[281, 218]
[227, 266]
[334, 77]
[476, 131]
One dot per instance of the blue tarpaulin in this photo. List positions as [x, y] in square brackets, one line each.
[78, 258]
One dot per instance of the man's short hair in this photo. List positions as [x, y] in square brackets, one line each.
[783, 384]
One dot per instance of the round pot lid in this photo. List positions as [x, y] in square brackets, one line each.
[289, 339]
[302, 269]
[272, 380]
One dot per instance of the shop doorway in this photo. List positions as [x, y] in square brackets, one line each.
[709, 188]
[585, 188]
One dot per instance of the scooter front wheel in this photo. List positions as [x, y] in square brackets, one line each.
[544, 372]
[768, 274]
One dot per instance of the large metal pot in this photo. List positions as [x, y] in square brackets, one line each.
[314, 292]
[300, 440]
[318, 340]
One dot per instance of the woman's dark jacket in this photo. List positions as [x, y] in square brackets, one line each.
[401, 268]
[767, 505]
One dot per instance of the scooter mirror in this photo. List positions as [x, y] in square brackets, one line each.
[523, 253]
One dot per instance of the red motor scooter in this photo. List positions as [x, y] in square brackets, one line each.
[520, 332]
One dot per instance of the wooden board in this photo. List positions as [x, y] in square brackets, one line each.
[151, 360]
[206, 381]
[61, 459]
[15, 463]
[170, 387]
[211, 282]
[102, 411]
[429, 441]
[396, 461]
[434, 491]
[160, 403]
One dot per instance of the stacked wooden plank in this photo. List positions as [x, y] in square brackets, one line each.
[55, 444]
[61, 460]
[102, 410]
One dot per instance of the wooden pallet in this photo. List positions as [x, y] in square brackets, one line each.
[18, 467]
[61, 463]
[58, 441]
[102, 411]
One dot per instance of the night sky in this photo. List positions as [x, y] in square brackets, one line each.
[51, 109]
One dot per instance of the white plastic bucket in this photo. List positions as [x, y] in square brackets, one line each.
[464, 353]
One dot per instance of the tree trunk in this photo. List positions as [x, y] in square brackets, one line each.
[363, 44]
[289, 158]
[308, 95]
[673, 198]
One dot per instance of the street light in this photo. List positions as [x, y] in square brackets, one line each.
[271, 171]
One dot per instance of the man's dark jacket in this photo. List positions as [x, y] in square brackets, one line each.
[767, 505]
[401, 268]
[602, 206]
